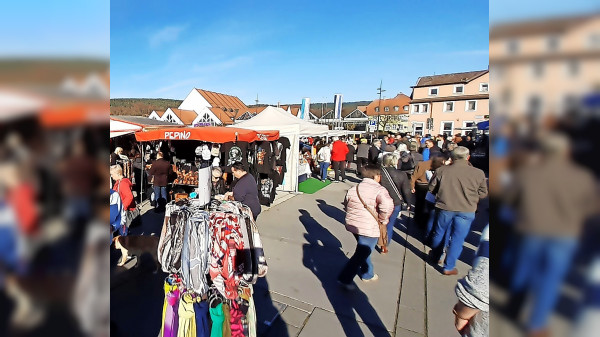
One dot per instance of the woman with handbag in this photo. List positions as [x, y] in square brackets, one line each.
[398, 186]
[368, 207]
[123, 187]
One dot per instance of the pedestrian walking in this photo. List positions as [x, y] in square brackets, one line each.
[367, 205]
[458, 189]
[398, 187]
[339, 150]
[374, 152]
[362, 155]
[351, 152]
[430, 149]
[123, 187]
[471, 312]
[324, 159]
[160, 171]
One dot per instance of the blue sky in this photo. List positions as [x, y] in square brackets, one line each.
[284, 50]
[60, 28]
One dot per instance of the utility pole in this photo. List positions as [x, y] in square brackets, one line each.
[256, 101]
[379, 91]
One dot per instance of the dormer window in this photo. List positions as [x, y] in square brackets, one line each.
[459, 89]
[433, 91]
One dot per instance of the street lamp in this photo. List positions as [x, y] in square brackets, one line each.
[379, 91]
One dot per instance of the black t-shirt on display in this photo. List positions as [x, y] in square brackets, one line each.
[283, 145]
[264, 158]
[233, 152]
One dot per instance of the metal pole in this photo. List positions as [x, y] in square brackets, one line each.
[142, 175]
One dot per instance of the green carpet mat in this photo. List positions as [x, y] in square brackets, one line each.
[312, 185]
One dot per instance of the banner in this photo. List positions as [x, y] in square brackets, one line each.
[305, 109]
[337, 106]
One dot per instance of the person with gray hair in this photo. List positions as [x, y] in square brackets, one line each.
[374, 152]
[457, 189]
[398, 186]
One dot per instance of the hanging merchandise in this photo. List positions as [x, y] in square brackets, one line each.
[233, 152]
[213, 259]
[264, 158]
[204, 185]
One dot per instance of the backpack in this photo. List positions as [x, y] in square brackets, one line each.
[407, 162]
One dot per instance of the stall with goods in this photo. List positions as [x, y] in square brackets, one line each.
[192, 150]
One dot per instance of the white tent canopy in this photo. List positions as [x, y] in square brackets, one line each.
[119, 128]
[291, 127]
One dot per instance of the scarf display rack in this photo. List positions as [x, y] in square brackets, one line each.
[213, 256]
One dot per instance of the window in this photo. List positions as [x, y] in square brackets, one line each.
[534, 106]
[424, 107]
[512, 47]
[433, 91]
[405, 108]
[448, 106]
[418, 128]
[594, 40]
[386, 109]
[447, 128]
[471, 106]
[468, 124]
[484, 87]
[552, 43]
[537, 69]
[376, 109]
[396, 108]
[459, 89]
[416, 108]
[573, 68]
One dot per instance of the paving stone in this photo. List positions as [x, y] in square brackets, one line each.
[292, 302]
[325, 323]
[407, 333]
[294, 317]
[410, 319]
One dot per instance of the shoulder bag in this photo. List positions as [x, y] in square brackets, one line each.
[383, 237]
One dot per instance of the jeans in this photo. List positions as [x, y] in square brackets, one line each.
[457, 225]
[324, 167]
[360, 263]
[341, 167]
[541, 266]
[160, 192]
[392, 222]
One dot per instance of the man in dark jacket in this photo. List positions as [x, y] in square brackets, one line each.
[398, 186]
[245, 189]
[350, 155]
[160, 171]
[457, 189]
[430, 149]
[362, 155]
[374, 152]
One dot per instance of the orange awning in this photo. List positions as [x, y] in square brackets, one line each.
[77, 114]
[213, 134]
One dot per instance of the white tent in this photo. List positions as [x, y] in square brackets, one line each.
[291, 127]
[119, 128]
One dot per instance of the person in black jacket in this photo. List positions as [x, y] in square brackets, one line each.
[374, 152]
[350, 155]
[398, 186]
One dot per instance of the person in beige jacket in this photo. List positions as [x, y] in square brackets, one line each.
[361, 222]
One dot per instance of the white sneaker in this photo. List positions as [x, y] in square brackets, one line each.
[374, 278]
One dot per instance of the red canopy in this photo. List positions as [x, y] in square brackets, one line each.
[213, 134]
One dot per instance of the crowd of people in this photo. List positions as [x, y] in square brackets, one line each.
[429, 176]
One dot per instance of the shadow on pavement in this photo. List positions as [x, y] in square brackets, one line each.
[332, 212]
[320, 258]
[269, 322]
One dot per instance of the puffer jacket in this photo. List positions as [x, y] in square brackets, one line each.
[358, 219]
[339, 150]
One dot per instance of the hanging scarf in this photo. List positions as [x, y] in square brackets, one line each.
[217, 317]
[202, 324]
[187, 318]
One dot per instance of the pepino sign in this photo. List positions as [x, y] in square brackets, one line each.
[177, 135]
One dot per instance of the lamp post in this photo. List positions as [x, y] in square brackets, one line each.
[379, 91]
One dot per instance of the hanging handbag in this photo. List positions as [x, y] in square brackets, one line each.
[383, 237]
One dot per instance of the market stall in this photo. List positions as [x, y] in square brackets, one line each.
[290, 127]
[194, 149]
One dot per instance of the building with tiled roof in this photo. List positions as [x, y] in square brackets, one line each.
[449, 103]
[392, 113]
[213, 108]
[179, 116]
[157, 114]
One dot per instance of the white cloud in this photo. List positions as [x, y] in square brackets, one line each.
[167, 34]
[185, 83]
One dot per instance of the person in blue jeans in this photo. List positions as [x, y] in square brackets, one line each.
[324, 158]
[457, 188]
[367, 204]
